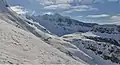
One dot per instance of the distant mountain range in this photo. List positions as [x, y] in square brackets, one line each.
[61, 25]
[101, 39]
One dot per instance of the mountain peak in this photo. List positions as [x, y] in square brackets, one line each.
[51, 14]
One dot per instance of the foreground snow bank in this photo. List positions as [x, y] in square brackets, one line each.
[20, 47]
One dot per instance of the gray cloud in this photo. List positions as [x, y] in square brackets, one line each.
[98, 16]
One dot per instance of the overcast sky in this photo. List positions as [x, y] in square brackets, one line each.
[92, 11]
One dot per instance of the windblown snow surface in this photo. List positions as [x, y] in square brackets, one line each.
[18, 46]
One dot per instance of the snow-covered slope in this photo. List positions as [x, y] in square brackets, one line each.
[107, 31]
[106, 48]
[19, 46]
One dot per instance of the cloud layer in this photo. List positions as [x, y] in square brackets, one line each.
[97, 11]
[98, 16]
